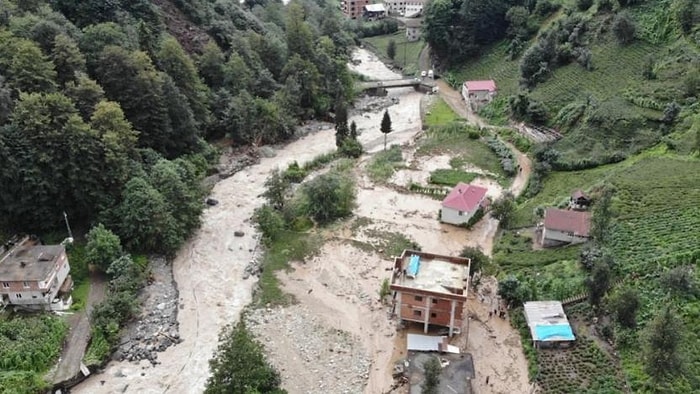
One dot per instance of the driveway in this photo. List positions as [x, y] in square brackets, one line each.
[79, 334]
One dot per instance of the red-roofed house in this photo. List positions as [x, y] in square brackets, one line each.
[462, 203]
[565, 226]
[475, 92]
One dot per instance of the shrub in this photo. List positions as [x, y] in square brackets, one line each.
[624, 306]
[478, 259]
[432, 369]
[662, 348]
[239, 365]
[545, 7]
[503, 209]
[294, 173]
[328, 197]
[351, 148]
[269, 221]
[680, 280]
[475, 218]
[103, 247]
[623, 28]
[504, 153]
[583, 5]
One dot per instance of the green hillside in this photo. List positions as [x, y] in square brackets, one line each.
[621, 81]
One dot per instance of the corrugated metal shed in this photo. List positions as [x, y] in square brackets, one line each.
[547, 321]
[427, 343]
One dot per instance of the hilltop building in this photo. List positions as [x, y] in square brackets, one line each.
[430, 289]
[34, 276]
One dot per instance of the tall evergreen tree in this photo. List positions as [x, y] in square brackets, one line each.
[386, 126]
[341, 123]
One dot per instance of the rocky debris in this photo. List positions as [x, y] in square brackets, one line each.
[312, 127]
[252, 269]
[267, 151]
[238, 233]
[156, 328]
[235, 160]
[374, 103]
[212, 201]
[296, 341]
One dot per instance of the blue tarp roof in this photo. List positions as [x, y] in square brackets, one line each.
[413, 266]
[550, 332]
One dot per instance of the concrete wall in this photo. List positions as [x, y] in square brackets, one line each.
[561, 236]
[452, 216]
[38, 292]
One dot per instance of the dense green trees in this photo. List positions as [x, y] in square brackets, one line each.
[239, 366]
[458, 29]
[103, 247]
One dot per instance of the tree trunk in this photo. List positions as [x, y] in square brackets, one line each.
[385, 142]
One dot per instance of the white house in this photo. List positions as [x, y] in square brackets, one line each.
[462, 203]
[407, 8]
[477, 92]
[565, 226]
[413, 27]
[34, 276]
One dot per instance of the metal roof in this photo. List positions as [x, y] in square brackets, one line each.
[375, 8]
[547, 321]
[427, 343]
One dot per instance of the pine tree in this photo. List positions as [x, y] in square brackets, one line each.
[353, 130]
[386, 126]
[341, 123]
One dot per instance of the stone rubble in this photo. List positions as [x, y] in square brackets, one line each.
[156, 328]
[335, 360]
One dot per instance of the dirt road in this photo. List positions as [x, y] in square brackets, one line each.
[79, 335]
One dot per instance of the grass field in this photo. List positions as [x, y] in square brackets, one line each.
[493, 64]
[440, 114]
[407, 53]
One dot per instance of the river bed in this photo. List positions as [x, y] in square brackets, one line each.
[209, 268]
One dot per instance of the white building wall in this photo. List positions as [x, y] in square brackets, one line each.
[556, 235]
[412, 33]
[452, 216]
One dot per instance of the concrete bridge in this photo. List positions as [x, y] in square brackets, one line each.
[378, 88]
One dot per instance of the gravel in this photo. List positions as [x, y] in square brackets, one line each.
[156, 328]
[311, 357]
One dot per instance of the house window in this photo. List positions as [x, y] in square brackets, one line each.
[461, 213]
[33, 296]
[417, 313]
[5, 285]
[25, 285]
[18, 295]
[435, 300]
[433, 315]
[418, 298]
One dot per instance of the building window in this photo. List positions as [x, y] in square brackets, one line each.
[418, 298]
[5, 285]
[433, 315]
[25, 285]
[33, 296]
[416, 313]
[435, 300]
[461, 213]
[18, 295]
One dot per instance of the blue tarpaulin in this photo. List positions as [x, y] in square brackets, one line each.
[561, 332]
[413, 266]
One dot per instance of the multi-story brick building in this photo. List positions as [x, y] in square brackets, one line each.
[34, 276]
[353, 8]
[430, 289]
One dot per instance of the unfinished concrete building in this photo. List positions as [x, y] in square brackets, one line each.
[430, 289]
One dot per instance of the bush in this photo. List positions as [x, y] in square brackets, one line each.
[432, 369]
[624, 305]
[680, 280]
[269, 222]
[504, 153]
[328, 197]
[294, 173]
[478, 259]
[239, 365]
[623, 27]
[103, 247]
[351, 148]
[384, 163]
[545, 7]
[583, 5]
[478, 215]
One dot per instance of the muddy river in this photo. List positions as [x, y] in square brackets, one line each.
[209, 268]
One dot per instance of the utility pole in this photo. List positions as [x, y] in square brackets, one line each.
[65, 217]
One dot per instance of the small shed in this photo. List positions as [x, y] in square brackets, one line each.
[548, 323]
[373, 11]
[579, 200]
